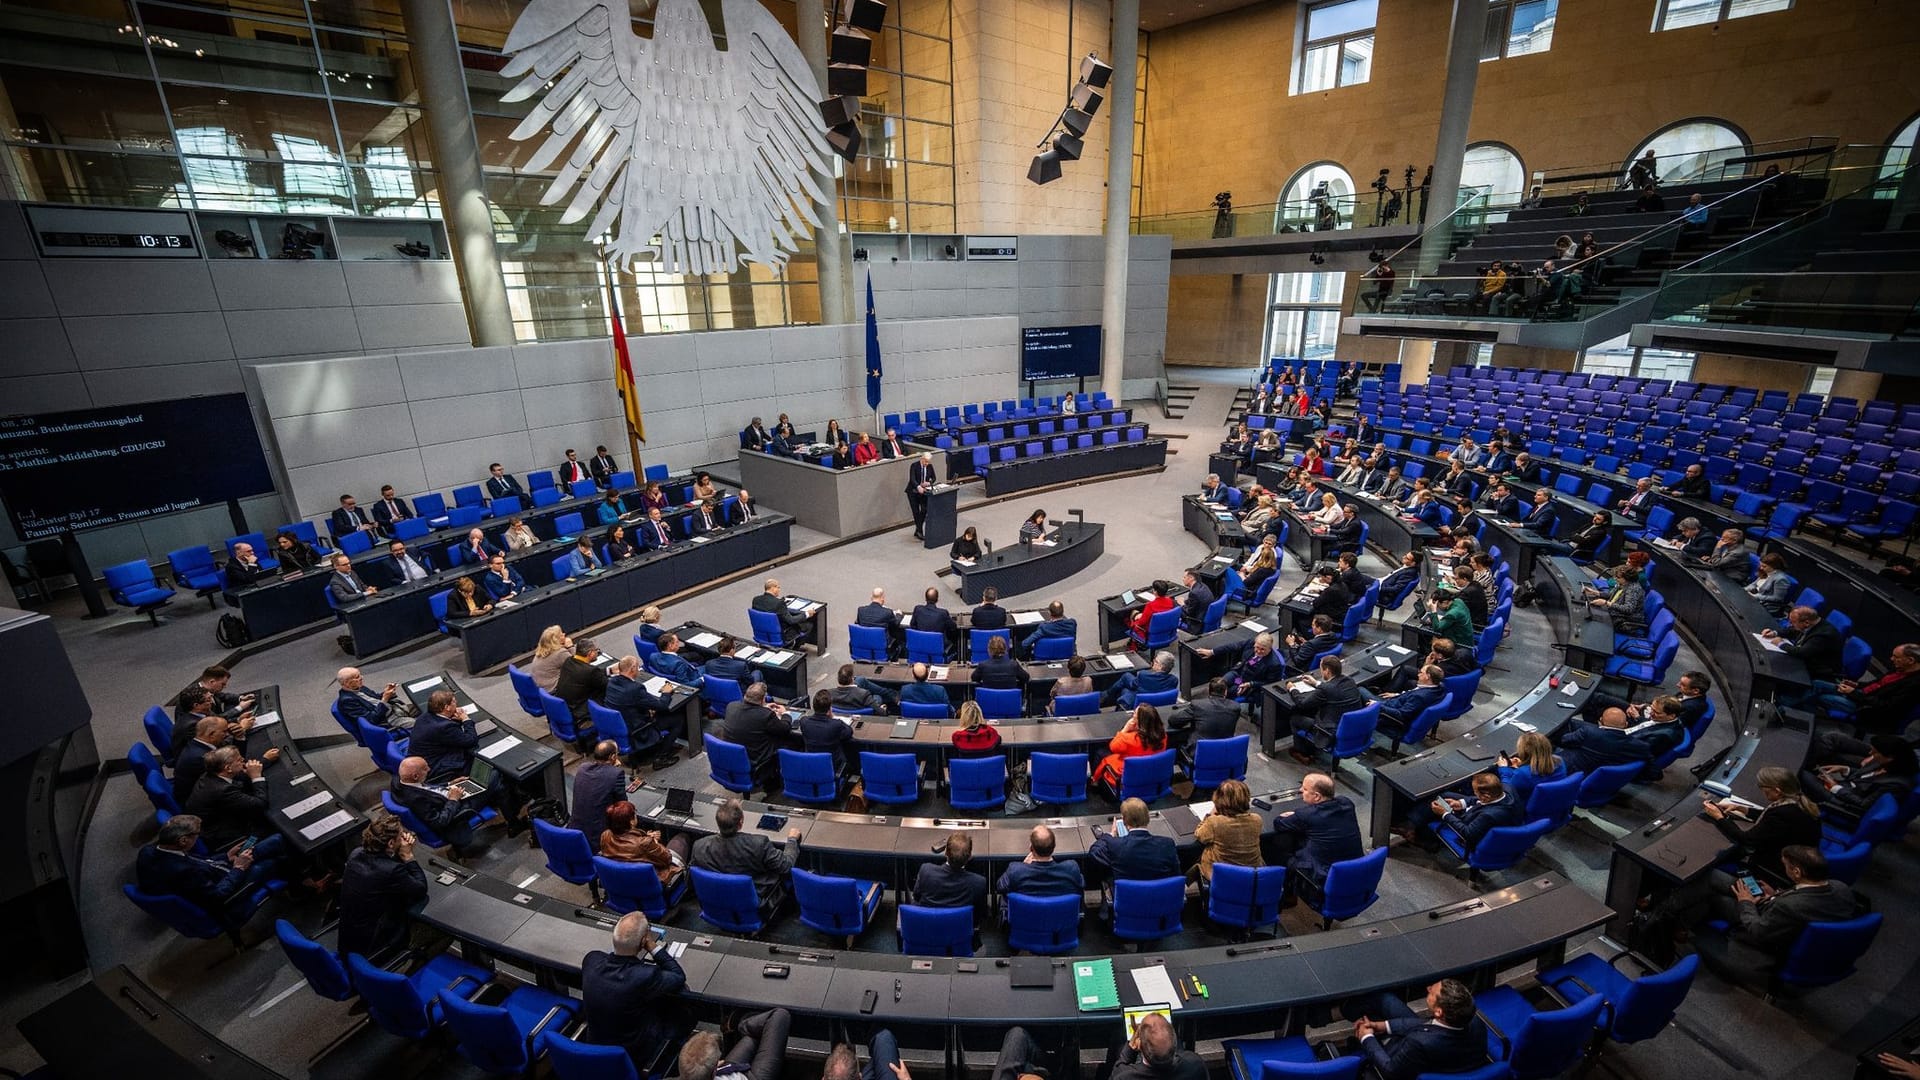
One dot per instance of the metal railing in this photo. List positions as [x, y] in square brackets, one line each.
[1335, 214]
[1714, 163]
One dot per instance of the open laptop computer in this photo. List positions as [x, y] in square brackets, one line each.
[679, 805]
[480, 777]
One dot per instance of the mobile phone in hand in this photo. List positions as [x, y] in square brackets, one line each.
[1752, 885]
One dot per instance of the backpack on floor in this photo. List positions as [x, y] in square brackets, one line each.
[232, 632]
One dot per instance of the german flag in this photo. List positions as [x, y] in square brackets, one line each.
[623, 368]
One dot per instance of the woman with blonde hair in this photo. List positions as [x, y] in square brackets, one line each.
[650, 628]
[1329, 512]
[1261, 513]
[548, 656]
[1261, 565]
[518, 536]
[465, 601]
[1532, 762]
[974, 737]
[1231, 833]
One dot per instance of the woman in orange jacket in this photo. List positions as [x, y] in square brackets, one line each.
[1143, 734]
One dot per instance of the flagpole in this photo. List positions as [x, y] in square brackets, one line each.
[613, 312]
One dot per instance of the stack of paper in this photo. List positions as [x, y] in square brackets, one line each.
[424, 685]
[1121, 661]
[777, 657]
[266, 719]
[704, 640]
[657, 686]
[1258, 628]
[501, 746]
[1026, 618]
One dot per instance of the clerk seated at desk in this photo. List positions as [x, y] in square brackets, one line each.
[1035, 527]
[796, 629]
[967, 546]
[503, 582]
[654, 533]
[1055, 625]
[1040, 874]
[989, 615]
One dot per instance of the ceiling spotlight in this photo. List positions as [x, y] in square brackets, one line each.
[1045, 168]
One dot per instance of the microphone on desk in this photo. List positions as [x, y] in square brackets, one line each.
[1078, 515]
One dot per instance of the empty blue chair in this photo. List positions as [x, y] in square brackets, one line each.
[918, 710]
[609, 724]
[1603, 784]
[569, 855]
[1219, 760]
[766, 628]
[1148, 910]
[159, 729]
[1047, 925]
[527, 691]
[1636, 1009]
[573, 1060]
[1537, 1044]
[1001, 703]
[1159, 699]
[193, 568]
[1351, 887]
[727, 901]
[719, 693]
[926, 646]
[808, 778]
[315, 962]
[409, 1005]
[1057, 779]
[728, 764]
[355, 542]
[144, 763]
[132, 585]
[1246, 898]
[977, 783]
[836, 906]
[1351, 736]
[562, 567]
[868, 643]
[412, 528]
[890, 778]
[926, 931]
[506, 1038]
[631, 886]
[559, 718]
[1500, 848]
[1053, 648]
[1553, 800]
[1290, 1058]
[1076, 704]
[386, 749]
[190, 920]
[1148, 777]
[160, 793]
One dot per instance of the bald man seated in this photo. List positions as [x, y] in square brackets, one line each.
[876, 612]
[795, 628]
[356, 701]
[1154, 1053]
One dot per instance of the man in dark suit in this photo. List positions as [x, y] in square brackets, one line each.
[1399, 1045]
[1347, 572]
[446, 812]
[1154, 1053]
[1639, 500]
[1158, 678]
[1323, 706]
[1193, 609]
[654, 533]
[1128, 852]
[1501, 502]
[444, 737]
[571, 471]
[795, 628]
[708, 518]
[725, 665]
[345, 585]
[1055, 625]
[168, 867]
[922, 692]
[1525, 469]
[875, 612]
[1400, 576]
[668, 663]
[231, 800]
[948, 883]
[602, 467]
[196, 704]
[1311, 839]
[989, 615]
[244, 568]
[1399, 710]
[1209, 714]
[225, 702]
[755, 435]
[1586, 747]
[477, 550]
[501, 581]
[581, 681]
[356, 701]
[1470, 593]
[1039, 874]
[403, 566]
[501, 484]
[1256, 664]
[743, 508]
[850, 691]
[920, 480]
[349, 519]
[1344, 535]
[1300, 653]
[630, 996]
[598, 784]
[381, 889]
[1765, 928]
[762, 729]
[1333, 600]
[1542, 520]
[627, 693]
[729, 851]
[930, 618]
[892, 448]
[210, 734]
[390, 509]
[1493, 807]
[1814, 640]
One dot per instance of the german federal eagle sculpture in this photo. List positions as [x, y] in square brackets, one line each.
[703, 157]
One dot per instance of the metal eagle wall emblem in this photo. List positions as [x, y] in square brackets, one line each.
[704, 158]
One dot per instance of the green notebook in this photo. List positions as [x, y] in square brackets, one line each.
[1093, 985]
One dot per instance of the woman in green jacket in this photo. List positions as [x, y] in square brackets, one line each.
[1451, 619]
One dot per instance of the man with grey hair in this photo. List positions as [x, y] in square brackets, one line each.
[357, 702]
[1811, 638]
[1309, 840]
[729, 851]
[920, 481]
[231, 800]
[1159, 677]
[440, 809]
[762, 729]
[1254, 665]
[630, 995]
[756, 1055]
[1154, 1053]
[169, 867]
[795, 628]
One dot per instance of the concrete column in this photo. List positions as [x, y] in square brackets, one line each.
[1456, 108]
[1113, 308]
[831, 257]
[456, 158]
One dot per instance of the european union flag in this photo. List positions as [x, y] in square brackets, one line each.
[873, 349]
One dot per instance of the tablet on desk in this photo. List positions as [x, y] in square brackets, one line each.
[1133, 1014]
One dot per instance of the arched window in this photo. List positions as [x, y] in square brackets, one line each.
[1692, 149]
[1302, 211]
[1495, 171]
[1900, 148]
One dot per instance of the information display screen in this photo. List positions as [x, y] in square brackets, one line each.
[1059, 352]
[66, 472]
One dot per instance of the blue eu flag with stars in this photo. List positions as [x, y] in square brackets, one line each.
[873, 350]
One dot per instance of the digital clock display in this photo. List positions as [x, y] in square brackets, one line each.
[51, 241]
